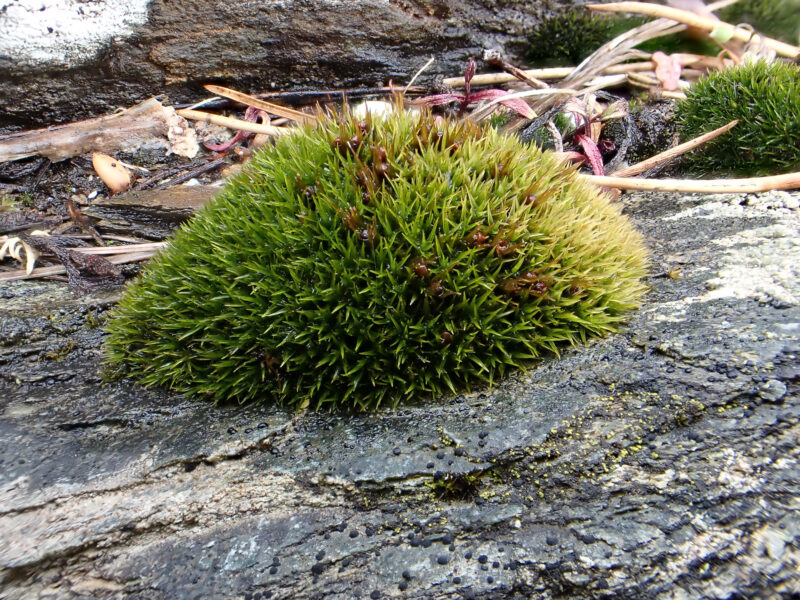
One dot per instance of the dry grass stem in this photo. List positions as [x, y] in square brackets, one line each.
[655, 89]
[418, 73]
[789, 181]
[558, 143]
[275, 109]
[615, 52]
[555, 73]
[111, 250]
[495, 78]
[694, 20]
[714, 6]
[668, 155]
[197, 115]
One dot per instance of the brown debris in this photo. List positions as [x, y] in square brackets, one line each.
[85, 272]
[127, 129]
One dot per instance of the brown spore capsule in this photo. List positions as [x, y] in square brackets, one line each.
[436, 289]
[420, 267]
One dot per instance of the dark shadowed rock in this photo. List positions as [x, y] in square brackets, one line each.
[659, 463]
[58, 63]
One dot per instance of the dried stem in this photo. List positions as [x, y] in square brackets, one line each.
[197, 115]
[275, 109]
[788, 181]
[494, 59]
[418, 73]
[558, 143]
[658, 91]
[694, 20]
[112, 250]
[668, 155]
[553, 73]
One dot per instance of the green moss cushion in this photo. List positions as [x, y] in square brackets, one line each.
[765, 97]
[358, 264]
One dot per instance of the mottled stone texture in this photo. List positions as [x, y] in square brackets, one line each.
[259, 46]
[659, 463]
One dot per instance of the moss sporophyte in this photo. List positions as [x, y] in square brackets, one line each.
[364, 262]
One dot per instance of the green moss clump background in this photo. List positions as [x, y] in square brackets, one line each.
[567, 38]
[359, 264]
[779, 19]
[765, 97]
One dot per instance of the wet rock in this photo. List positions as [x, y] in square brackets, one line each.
[151, 214]
[660, 461]
[77, 62]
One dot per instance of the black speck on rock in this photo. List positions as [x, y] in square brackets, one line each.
[443, 559]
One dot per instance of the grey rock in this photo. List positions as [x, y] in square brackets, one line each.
[656, 463]
[76, 61]
[772, 390]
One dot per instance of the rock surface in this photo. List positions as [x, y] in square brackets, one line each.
[72, 59]
[659, 463]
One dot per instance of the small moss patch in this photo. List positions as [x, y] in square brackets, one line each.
[765, 97]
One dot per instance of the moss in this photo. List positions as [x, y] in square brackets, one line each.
[15, 202]
[567, 38]
[774, 18]
[361, 264]
[456, 486]
[765, 97]
[499, 119]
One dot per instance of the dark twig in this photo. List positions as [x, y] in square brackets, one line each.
[493, 58]
[209, 166]
[168, 172]
[43, 167]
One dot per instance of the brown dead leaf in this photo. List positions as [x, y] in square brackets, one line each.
[668, 70]
[110, 170]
